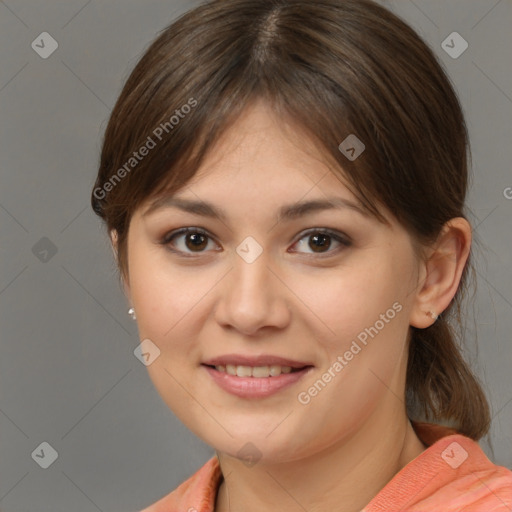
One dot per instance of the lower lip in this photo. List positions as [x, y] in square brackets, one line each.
[255, 387]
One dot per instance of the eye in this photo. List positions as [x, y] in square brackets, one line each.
[187, 240]
[320, 241]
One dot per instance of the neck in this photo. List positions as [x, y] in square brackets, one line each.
[349, 473]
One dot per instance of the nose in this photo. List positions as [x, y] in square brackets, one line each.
[252, 296]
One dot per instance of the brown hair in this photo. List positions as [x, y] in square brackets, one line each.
[333, 68]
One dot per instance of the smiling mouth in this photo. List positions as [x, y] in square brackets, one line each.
[256, 371]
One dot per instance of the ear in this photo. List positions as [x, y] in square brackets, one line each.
[440, 274]
[114, 240]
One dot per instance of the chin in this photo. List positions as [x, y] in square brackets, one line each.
[256, 445]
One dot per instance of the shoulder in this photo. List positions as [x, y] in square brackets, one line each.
[452, 474]
[196, 494]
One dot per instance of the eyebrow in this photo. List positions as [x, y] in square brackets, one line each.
[286, 212]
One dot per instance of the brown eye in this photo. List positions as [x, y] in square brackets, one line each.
[320, 241]
[187, 241]
[196, 241]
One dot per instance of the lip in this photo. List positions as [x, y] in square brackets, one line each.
[261, 360]
[255, 387]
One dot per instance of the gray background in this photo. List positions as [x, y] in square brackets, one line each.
[68, 375]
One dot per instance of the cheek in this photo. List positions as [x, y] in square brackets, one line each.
[363, 311]
[166, 300]
[164, 294]
[345, 301]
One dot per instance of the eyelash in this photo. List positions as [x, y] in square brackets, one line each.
[343, 240]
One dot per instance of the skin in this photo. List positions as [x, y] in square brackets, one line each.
[294, 302]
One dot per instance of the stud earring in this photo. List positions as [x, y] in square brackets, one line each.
[131, 312]
[433, 315]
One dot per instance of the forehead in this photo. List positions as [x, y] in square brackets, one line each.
[262, 165]
[260, 149]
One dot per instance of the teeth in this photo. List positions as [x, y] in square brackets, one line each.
[254, 371]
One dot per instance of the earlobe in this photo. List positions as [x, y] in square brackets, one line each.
[442, 272]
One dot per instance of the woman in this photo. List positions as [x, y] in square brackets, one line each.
[284, 184]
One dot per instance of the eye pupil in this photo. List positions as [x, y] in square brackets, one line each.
[324, 242]
[198, 240]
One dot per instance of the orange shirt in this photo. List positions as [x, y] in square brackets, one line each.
[452, 475]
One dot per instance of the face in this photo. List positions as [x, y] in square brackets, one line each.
[326, 287]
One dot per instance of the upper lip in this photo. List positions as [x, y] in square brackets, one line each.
[261, 360]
